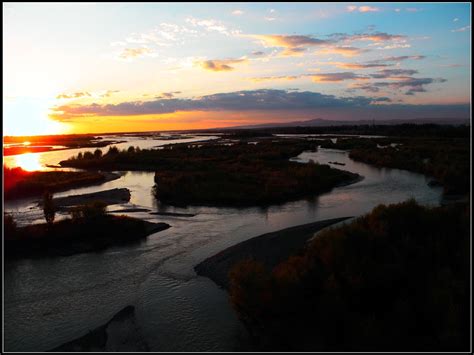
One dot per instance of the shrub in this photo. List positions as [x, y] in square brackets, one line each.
[396, 279]
[49, 209]
[88, 211]
[97, 153]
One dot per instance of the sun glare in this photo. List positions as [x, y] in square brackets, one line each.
[28, 161]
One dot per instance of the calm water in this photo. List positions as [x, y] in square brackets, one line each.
[52, 301]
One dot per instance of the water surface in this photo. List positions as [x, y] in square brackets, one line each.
[52, 301]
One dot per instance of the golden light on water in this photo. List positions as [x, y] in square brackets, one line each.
[26, 143]
[28, 161]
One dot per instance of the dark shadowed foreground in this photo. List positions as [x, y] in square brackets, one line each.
[396, 279]
[74, 236]
[120, 334]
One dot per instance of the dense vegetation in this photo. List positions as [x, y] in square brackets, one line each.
[396, 279]
[68, 140]
[89, 229]
[19, 183]
[445, 159]
[396, 130]
[214, 174]
[36, 144]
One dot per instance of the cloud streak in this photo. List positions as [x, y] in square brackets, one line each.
[272, 102]
[130, 53]
[249, 100]
[353, 8]
[74, 95]
[218, 65]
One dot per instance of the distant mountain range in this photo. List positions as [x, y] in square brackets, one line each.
[319, 122]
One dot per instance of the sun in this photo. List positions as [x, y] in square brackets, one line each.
[29, 117]
[28, 161]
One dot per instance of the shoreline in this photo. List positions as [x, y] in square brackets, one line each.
[107, 176]
[120, 333]
[269, 248]
[70, 237]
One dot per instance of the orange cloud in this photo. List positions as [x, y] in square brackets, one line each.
[344, 51]
[336, 77]
[221, 64]
[353, 8]
[294, 45]
[128, 53]
[356, 65]
[74, 95]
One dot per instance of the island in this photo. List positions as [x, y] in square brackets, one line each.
[234, 174]
[91, 231]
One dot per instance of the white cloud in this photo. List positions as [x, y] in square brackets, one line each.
[237, 12]
[212, 26]
[455, 19]
[365, 8]
[462, 29]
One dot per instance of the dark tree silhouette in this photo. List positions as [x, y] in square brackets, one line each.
[49, 209]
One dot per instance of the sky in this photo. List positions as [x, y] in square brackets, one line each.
[118, 67]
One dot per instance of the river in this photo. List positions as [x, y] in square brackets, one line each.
[48, 302]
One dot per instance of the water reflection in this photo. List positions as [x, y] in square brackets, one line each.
[28, 161]
[46, 305]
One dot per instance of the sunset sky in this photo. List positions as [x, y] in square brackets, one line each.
[105, 67]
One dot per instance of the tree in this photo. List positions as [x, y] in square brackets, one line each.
[113, 150]
[97, 153]
[49, 209]
[89, 210]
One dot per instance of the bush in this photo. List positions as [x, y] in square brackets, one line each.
[396, 279]
[49, 209]
[88, 211]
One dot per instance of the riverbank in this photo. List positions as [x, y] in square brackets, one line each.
[120, 334]
[106, 197]
[396, 279]
[270, 249]
[19, 183]
[75, 236]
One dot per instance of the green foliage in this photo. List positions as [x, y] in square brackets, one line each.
[396, 279]
[49, 209]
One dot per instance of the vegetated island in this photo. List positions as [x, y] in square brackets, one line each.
[120, 334]
[270, 249]
[439, 152]
[396, 279]
[14, 145]
[236, 175]
[19, 183]
[106, 197]
[88, 231]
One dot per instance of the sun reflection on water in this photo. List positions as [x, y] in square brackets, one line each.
[28, 161]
